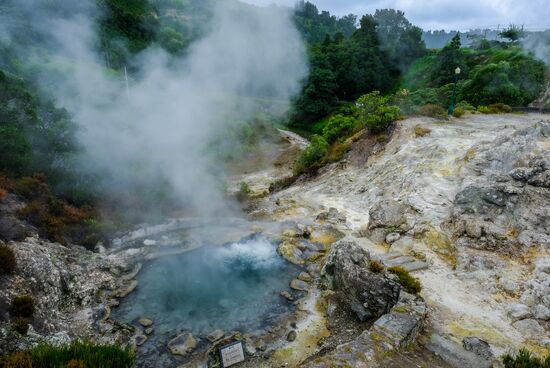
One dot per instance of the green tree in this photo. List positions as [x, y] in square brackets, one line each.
[447, 60]
[318, 97]
[513, 33]
[399, 38]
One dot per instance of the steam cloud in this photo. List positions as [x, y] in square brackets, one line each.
[161, 126]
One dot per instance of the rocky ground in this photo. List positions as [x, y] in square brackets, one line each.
[463, 204]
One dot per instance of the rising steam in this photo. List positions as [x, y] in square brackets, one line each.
[161, 126]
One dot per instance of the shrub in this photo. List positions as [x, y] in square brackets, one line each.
[375, 112]
[22, 306]
[497, 108]
[433, 111]
[458, 112]
[337, 151]
[75, 363]
[18, 360]
[420, 131]
[313, 156]
[94, 356]
[20, 325]
[339, 126]
[525, 359]
[409, 283]
[7, 260]
[376, 267]
[244, 192]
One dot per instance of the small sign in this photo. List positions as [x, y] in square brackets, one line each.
[232, 354]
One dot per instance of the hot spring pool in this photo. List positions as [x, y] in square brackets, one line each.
[234, 287]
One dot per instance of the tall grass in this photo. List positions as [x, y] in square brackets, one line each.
[91, 356]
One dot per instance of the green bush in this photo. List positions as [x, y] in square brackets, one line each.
[313, 156]
[20, 325]
[434, 111]
[525, 359]
[409, 283]
[376, 266]
[375, 111]
[7, 260]
[22, 306]
[458, 112]
[76, 355]
[516, 81]
[339, 126]
[244, 192]
[496, 108]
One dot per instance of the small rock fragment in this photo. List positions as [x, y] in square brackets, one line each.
[519, 312]
[304, 276]
[215, 336]
[140, 340]
[285, 294]
[541, 312]
[478, 347]
[299, 285]
[182, 344]
[392, 237]
[145, 322]
[291, 336]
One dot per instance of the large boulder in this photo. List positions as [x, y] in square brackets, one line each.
[366, 293]
[391, 214]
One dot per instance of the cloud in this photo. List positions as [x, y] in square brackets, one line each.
[445, 14]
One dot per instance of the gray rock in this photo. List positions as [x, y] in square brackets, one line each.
[390, 213]
[541, 312]
[541, 180]
[543, 128]
[145, 322]
[182, 344]
[392, 237]
[285, 294]
[149, 330]
[304, 276]
[140, 340]
[215, 335]
[524, 173]
[529, 328]
[479, 347]
[518, 312]
[400, 328]
[454, 354]
[299, 285]
[291, 336]
[367, 293]
[403, 245]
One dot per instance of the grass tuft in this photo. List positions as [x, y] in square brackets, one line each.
[409, 283]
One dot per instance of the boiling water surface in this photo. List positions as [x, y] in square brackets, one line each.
[235, 287]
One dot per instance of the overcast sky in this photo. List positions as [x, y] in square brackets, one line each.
[445, 14]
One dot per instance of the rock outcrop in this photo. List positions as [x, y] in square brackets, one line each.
[366, 293]
[506, 206]
[68, 285]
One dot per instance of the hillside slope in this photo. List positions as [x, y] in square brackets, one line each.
[468, 205]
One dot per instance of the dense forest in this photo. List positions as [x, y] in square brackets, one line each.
[365, 72]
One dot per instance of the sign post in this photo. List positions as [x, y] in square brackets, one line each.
[232, 354]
